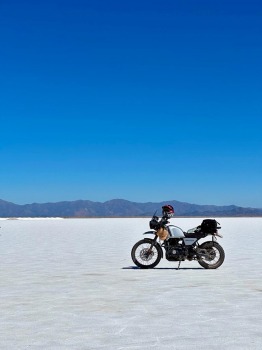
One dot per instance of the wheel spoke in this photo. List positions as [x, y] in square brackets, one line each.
[144, 256]
[213, 256]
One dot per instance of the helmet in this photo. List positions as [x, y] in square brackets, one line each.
[168, 210]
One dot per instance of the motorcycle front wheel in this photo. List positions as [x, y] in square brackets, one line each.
[143, 257]
[214, 256]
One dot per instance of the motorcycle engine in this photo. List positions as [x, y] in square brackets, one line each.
[174, 250]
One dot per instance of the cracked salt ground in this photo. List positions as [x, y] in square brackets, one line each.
[71, 284]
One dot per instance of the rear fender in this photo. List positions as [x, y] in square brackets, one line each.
[208, 244]
[149, 240]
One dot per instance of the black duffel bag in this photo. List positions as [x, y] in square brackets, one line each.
[209, 226]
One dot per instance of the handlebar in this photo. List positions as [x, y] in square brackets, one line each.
[164, 221]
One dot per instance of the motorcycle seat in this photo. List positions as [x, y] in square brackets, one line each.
[194, 233]
[190, 234]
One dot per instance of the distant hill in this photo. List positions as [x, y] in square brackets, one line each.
[118, 208]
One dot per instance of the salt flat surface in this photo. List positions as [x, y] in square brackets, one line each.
[71, 284]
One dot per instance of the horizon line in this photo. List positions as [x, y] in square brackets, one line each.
[127, 200]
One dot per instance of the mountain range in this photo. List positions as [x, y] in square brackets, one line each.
[119, 208]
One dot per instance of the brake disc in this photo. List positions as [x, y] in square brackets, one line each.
[144, 255]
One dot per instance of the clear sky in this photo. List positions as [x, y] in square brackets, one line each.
[135, 99]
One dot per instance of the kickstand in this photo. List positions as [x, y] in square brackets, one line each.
[179, 264]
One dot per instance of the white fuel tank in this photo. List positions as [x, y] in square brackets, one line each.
[175, 231]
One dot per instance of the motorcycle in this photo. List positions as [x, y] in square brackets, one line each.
[179, 245]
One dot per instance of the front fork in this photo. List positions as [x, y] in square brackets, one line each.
[152, 244]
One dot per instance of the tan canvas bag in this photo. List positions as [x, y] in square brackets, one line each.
[162, 234]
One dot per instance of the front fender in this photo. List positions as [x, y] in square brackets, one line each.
[149, 240]
[149, 233]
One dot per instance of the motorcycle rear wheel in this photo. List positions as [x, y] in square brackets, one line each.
[216, 255]
[142, 257]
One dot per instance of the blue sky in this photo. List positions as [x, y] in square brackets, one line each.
[142, 100]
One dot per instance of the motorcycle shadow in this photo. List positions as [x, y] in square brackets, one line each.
[162, 268]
